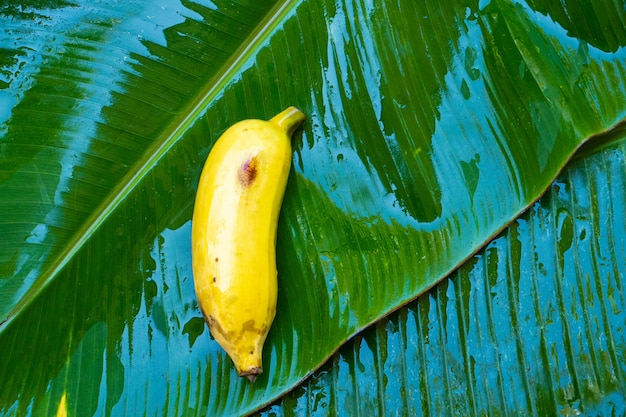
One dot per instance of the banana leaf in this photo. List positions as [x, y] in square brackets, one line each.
[431, 127]
[532, 325]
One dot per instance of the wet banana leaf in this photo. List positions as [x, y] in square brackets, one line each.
[532, 325]
[431, 127]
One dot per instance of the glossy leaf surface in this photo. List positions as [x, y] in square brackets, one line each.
[533, 324]
[431, 126]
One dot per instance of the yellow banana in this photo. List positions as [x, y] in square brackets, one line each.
[234, 234]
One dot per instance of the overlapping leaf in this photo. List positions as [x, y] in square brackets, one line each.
[532, 325]
[431, 126]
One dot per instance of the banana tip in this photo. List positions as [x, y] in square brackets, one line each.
[289, 119]
[252, 373]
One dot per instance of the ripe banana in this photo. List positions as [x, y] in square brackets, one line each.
[234, 234]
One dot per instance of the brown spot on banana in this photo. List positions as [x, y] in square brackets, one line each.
[216, 327]
[250, 326]
[247, 172]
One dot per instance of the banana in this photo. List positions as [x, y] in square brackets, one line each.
[233, 234]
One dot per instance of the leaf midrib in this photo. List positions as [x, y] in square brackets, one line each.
[166, 140]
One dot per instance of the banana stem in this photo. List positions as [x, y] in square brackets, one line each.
[289, 120]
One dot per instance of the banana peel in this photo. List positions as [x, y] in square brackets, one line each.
[233, 234]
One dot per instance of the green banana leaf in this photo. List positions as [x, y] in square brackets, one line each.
[431, 128]
[532, 325]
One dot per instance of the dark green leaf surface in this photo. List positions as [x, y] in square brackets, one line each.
[431, 126]
[533, 325]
